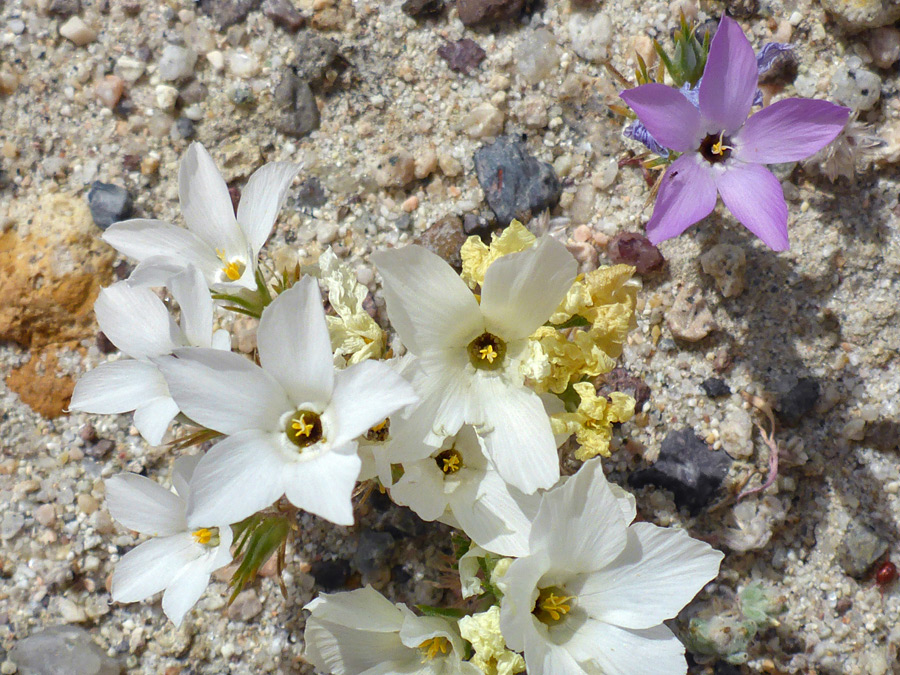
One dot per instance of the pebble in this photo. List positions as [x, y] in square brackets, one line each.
[216, 60]
[245, 606]
[243, 65]
[632, 248]
[688, 468]
[689, 317]
[417, 8]
[859, 549]
[176, 63]
[782, 70]
[311, 194]
[64, 7]
[484, 121]
[477, 225]
[796, 399]
[11, 525]
[283, 14]
[619, 379]
[605, 173]
[8, 668]
[330, 574]
[515, 184]
[714, 387]
[582, 207]
[319, 61]
[855, 86]
[591, 35]
[70, 612]
[884, 46]
[449, 165]
[445, 238]
[300, 113]
[77, 31]
[426, 162]
[62, 649]
[411, 204]
[482, 12]
[87, 504]
[462, 56]
[226, 13]
[45, 514]
[857, 15]
[17, 26]
[855, 429]
[395, 170]
[736, 432]
[726, 264]
[109, 90]
[129, 69]
[537, 56]
[108, 204]
[532, 112]
[326, 232]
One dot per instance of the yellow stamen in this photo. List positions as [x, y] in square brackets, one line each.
[488, 354]
[433, 647]
[451, 464]
[202, 536]
[302, 428]
[381, 425]
[449, 461]
[718, 148]
[555, 605]
[233, 269]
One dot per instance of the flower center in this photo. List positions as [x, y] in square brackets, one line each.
[233, 269]
[304, 429]
[715, 148]
[449, 461]
[380, 432]
[552, 605]
[436, 646]
[487, 351]
[206, 536]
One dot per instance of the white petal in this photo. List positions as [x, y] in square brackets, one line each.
[610, 650]
[657, 574]
[141, 239]
[205, 202]
[144, 505]
[333, 648]
[364, 395]
[184, 591]
[136, 321]
[190, 292]
[117, 387]
[324, 485]
[182, 470]
[157, 270]
[223, 391]
[363, 608]
[515, 432]
[594, 534]
[239, 476]
[150, 567]
[429, 306]
[262, 199]
[221, 339]
[153, 418]
[519, 586]
[521, 290]
[421, 488]
[294, 345]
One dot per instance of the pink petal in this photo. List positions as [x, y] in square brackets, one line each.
[687, 193]
[753, 194]
[790, 130]
[668, 115]
[729, 79]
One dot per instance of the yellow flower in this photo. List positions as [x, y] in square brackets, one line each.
[491, 654]
[608, 286]
[477, 257]
[592, 421]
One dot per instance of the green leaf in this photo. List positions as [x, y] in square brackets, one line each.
[256, 539]
[445, 612]
[576, 321]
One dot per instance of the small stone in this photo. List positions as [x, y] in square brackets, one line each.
[884, 46]
[619, 379]
[582, 207]
[396, 170]
[736, 432]
[532, 111]
[689, 317]
[537, 56]
[445, 238]
[129, 69]
[64, 7]
[216, 60]
[884, 435]
[227, 13]
[62, 649]
[854, 86]
[70, 612]
[714, 387]
[726, 263]
[108, 204]
[11, 525]
[743, 9]
[176, 63]
[591, 35]
[856, 15]
[17, 26]
[484, 121]
[782, 70]
[184, 127]
[319, 61]
[482, 12]
[87, 504]
[631, 248]
[300, 113]
[449, 165]
[605, 173]
[283, 14]
[330, 574]
[109, 90]
[797, 400]
[245, 606]
[426, 162]
[241, 64]
[854, 429]
[77, 31]
[311, 194]
[326, 232]
[411, 204]
[242, 94]
[45, 514]
[515, 184]
[463, 56]
[373, 553]
[8, 668]
[688, 468]
[477, 225]
[860, 548]
[417, 8]
[100, 449]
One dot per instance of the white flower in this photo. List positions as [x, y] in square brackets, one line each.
[458, 485]
[180, 558]
[224, 247]
[466, 370]
[594, 591]
[138, 323]
[362, 632]
[291, 424]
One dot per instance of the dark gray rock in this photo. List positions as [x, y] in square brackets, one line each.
[478, 225]
[417, 8]
[515, 184]
[686, 467]
[300, 113]
[859, 549]
[227, 13]
[184, 127]
[330, 574]
[283, 14]
[311, 194]
[319, 62]
[373, 553]
[714, 387]
[62, 650]
[463, 56]
[63, 7]
[109, 204]
[796, 399]
[484, 12]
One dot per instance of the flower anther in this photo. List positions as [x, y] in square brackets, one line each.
[487, 352]
[449, 461]
[380, 431]
[434, 647]
[207, 536]
[552, 605]
[304, 428]
[714, 148]
[232, 269]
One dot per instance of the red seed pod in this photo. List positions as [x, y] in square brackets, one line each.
[886, 574]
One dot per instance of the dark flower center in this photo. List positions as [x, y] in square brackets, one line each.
[552, 605]
[716, 148]
[487, 351]
[449, 461]
[304, 429]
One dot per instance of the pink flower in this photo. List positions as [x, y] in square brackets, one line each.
[723, 151]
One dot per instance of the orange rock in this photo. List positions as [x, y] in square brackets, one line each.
[39, 386]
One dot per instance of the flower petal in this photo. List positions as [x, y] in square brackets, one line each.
[521, 290]
[729, 79]
[144, 505]
[294, 345]
[188, 287]
[600, 647]
[152, 418]
[239, 476]
[184, 591]
[324, 485]
[421, 488]
[117, 387]
[223, 391]
[687, 193]
[790, 130]
[656, 575]
[150, 567]
[364, 395]
[429, 306]
[136, 321]
[205, 202]
[262, 199]
[182, 470]
[519, 586]
[753, 194]
[141, 239]
[669, 117]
